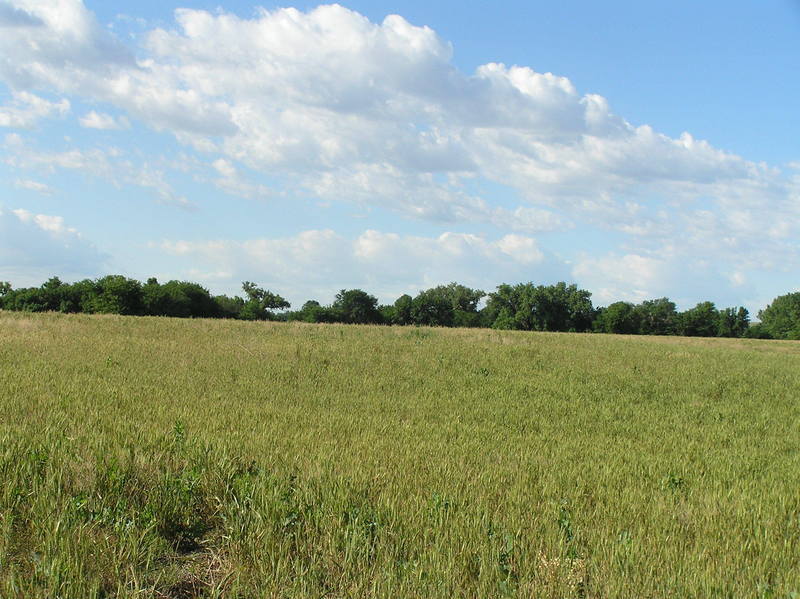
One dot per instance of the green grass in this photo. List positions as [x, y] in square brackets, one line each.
[148, 457]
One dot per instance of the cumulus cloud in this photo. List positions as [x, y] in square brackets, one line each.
[372, 112]
[328, 103]
[57, 44]
[100, 120]
[317, 263]
[26, 109]
[34, 247]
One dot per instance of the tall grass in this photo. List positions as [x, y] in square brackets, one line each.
[149, 457]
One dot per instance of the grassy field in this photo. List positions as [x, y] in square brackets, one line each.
[147, 457]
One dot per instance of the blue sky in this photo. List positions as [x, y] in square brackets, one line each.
[638, 149]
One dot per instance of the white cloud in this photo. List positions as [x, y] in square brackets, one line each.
[673, 272]
[317, 263]
[53, 224]
[328, 103]
[27, 109]
[100, 120]
[57, 44]
[376, 113]
[110, 164]
[34, 247]
[36, 186]
[522, 249]
[630, 277]
[232, 182]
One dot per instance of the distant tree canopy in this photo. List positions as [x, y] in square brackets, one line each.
[621, 318]
[530, 307]
[116, 294]
[781, 319]
[260, 303]
[523, 306]
[354, 306]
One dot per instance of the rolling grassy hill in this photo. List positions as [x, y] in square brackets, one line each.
[153, 457]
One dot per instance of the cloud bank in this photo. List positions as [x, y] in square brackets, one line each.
[318, 263]
[34, 247]
[327, 103]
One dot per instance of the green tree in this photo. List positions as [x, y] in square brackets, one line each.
[402, 310]
[511, 307]
[733, 322]
[229, 307]
[620, 318]
[181, 299]
[387, 313]
[563, 307]
[700, 321]
[260, 303]
[465, 304]
[781, 319]
[354, 306]
[657, 317]
[442, 306]
[114, 294]
[757, 331]
[527, 307]
[313, 311]
[24, 300]
[431, 308]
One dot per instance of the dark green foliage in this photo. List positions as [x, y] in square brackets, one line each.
[228, 307]
[444, 306]
[25, 300]
[260, 303]
[387, 313]
[402, 310]
[116, 294]
[313, 311]
[733, 322]
[52, 296]
[523, 306]
[527, 307]
[620, 318]
[355, 306]
[700, 321]
[757, 331]
[113, 294]
[781, 319]
[431, 309]
[180, 299]
[657, 317]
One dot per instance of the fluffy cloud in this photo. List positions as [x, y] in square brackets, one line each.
[26, 109]
[34, 247]
[100, 120]
[328, 103]
[316, 264]
[374, 113]
[57, 44]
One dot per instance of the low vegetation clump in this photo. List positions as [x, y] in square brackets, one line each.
[168, 458]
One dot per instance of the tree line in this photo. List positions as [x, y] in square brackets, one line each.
[524, 306]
